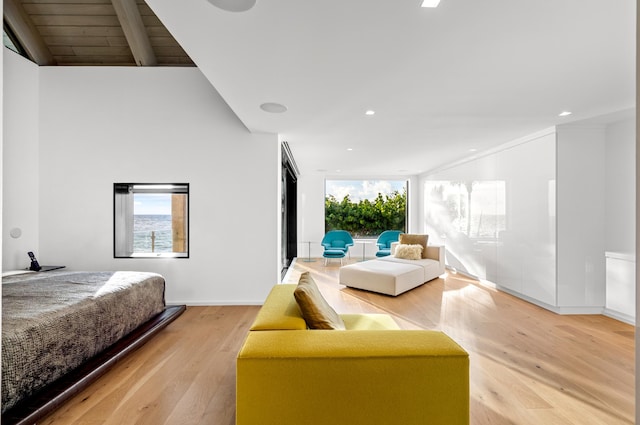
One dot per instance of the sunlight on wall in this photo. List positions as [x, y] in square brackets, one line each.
[496, 217]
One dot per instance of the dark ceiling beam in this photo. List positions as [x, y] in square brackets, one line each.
[135, 32]
[26, 33]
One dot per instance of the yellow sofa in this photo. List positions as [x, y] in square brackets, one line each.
[372, 373]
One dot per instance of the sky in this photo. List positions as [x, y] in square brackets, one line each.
[362, 189]
[152, 203]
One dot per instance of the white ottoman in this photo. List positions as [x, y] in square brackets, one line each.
[384, 277]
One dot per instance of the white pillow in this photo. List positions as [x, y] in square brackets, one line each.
[409, 252]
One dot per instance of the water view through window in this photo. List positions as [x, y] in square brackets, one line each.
[152, 223]
[151, 220]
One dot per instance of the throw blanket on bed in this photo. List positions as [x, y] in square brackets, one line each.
[52, 322]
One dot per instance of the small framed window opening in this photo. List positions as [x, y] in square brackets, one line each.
[151, 220]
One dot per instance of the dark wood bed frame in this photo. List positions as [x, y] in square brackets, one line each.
[51, 397]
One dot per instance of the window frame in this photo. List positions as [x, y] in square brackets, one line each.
[120, 219]
[12, 43]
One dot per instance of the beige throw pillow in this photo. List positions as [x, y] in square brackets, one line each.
[316, 311]
[409, 252]
[411, 239]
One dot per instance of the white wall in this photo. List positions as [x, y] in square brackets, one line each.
[581, 216]
[637, 232]
[637, 228]
[310, 213]
[20, 159]
[510, 239]
[620, 213]
[581, 180]
[104, 125]
[620, 188]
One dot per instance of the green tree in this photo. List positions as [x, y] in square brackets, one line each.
[366, 218]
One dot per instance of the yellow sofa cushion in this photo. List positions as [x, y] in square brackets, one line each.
[315, 309]
[280, 311]
[368, 322]
[406, 377]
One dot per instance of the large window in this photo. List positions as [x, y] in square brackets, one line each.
[151, 220]
[365, 208]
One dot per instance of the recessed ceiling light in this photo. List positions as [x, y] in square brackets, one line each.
[430, 3]
[233, 5]
[349, 149]
[370, 112]
[564, 113]
[473, 150]
[274, 108]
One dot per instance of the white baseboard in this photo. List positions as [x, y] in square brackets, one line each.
[619, 316]
[563, 310]
[579, 310]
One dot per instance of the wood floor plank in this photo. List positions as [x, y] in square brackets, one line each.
[528, 366]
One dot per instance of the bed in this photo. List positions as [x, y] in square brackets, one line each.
[62, 330]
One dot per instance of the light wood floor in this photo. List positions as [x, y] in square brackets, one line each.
[528, 365]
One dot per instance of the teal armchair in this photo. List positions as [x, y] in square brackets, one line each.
[336, 244]
[385, 240]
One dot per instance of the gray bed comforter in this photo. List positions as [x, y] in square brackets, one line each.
[52, 322]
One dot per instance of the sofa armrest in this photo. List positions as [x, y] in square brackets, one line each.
[436, 252]
[352, 377]
[280, 311]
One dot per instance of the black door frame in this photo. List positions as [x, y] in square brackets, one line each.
[289, 208]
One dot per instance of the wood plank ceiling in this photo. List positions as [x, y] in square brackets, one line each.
[92, 32]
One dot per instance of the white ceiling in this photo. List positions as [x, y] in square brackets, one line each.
[470, 74]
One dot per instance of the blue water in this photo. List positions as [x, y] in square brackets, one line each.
[143, 225]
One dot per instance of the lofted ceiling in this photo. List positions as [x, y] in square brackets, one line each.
[92, 32]
[445, 83]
